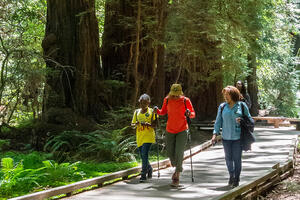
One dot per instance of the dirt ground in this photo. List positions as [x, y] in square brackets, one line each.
[289, 189]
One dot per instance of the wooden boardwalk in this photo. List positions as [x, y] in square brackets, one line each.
[272, 146]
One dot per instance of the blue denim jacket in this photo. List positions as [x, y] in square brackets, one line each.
[231, 130]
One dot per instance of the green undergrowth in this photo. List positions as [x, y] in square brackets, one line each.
[21, 174]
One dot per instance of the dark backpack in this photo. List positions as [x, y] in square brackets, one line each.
[247, 129]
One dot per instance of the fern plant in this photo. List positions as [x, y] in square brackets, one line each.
[15, 180]
[58, 174]
[106, 146]
[64, 144]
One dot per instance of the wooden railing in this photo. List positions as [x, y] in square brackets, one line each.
[277, 120]
[102, 180]
[252, 189]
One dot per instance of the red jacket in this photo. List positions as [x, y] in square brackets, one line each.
[176, 113]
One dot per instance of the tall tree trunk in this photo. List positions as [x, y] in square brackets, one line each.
[208, 96]
[252, 85]
[140, 68]
[137, 53]
[71, 51]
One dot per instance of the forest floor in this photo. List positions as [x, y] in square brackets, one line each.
[289, 189]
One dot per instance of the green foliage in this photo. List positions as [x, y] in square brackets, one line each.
[22, 74]
[108, 146]
[204, 34]
[117, 119]
[92, 169]
[99, 145]
[100, 13]
[3, 144]
[23, 173]
[32, 160]
[64, 144]
[277, 78]
[16, 180]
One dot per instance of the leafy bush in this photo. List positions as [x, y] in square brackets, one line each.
[17, 180]
[98, 145]
[30, 160]
[64, 144]
[3, 144]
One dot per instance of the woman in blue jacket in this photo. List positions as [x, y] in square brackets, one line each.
[228, 118]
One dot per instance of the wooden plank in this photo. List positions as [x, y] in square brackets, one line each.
[232, 194]
[269, 118]
[286, 166]
[287, 174]
[293, 119]
[283, 172]
[262, 188]
[276, 166]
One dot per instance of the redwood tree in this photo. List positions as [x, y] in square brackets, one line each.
[71, 52]
[252, 85]
[133, 50]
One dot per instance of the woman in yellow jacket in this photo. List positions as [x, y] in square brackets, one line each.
[144, 120]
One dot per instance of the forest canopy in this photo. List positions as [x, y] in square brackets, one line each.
[144, 47]
[66, 67]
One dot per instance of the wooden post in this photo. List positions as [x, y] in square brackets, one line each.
[298, 126]
[276, 123]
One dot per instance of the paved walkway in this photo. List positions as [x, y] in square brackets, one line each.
[210, 172]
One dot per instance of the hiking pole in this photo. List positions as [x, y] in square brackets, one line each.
[156, 134]
[189, 141]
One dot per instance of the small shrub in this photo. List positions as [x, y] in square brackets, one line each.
[99, 145]
[16, 180]
[4, 144]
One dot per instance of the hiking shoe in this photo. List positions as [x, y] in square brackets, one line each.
[235, 184]
[143, 179]
[230, 181]
[175, 183]
[150, 171]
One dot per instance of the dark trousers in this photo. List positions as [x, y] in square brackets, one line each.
[144, 151]
[233, 157]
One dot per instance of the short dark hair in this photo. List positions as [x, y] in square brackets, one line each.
[243, 90]
[233, 92]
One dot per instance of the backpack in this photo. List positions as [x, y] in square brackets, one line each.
[247, 128]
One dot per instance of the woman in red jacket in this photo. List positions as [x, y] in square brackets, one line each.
[177, 106]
